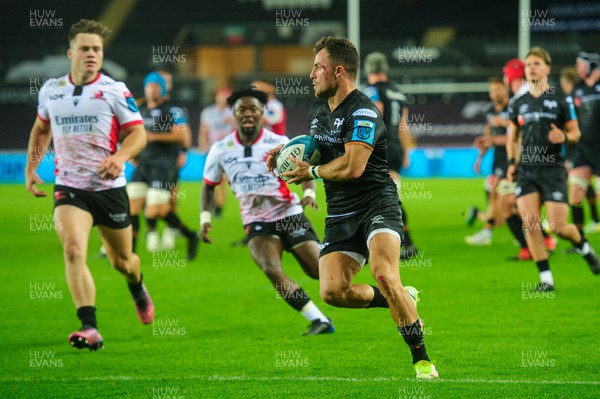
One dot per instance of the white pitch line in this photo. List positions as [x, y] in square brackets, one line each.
[298, 378]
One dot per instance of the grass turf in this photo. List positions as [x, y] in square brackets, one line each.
[221, 332]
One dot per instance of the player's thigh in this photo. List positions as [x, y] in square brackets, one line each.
[136, 191]
[384, 250]
[157, 203]
[579, 179]
[266, 252]
[336, 271]
[529, 209]
[73, 226]
[117, 242]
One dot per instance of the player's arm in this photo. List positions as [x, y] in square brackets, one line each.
[39, 141]
[203, 137]
[512, 149]
[570, 133]
[135, 141]
[207, 202]
[175, 135]
[350, 166]
[483, 143]
[310, 195]
[405, 136]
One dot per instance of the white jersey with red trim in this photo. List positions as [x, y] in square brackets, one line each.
[85, 122]
[262, 196]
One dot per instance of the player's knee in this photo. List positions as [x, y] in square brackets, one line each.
[334, 296]
[73, 252]
[273, 273]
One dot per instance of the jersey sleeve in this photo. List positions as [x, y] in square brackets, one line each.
[568, 109]
[213, 171]
[124, 106]
[364, 127]
[372, 93]
[512, 112]
[42, 109]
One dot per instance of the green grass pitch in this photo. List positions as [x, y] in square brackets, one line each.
[221, 332]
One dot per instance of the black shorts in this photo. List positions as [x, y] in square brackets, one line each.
[109, 208]
[500, 166]
[584, 155]
[159, 175]
[549, 181]
[350, 232]
[292, 230]
[395, 157]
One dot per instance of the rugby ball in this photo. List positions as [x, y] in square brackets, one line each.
[303, 147]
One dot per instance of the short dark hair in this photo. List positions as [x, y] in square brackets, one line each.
[341, 51]
[261, 96]
[540, 53]
[89, 26]
[495, 79]
[569, 74]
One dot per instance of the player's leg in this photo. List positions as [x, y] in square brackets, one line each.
[529, 208]
[579, 178]
[73, 226]
[266, 252]
[170, 231]
[592, 199]
[409, 249]
[157, 205]
[384, 247]
[336, 272]
[122, 258]
[136, 191]
[557, 216]
[484, 236]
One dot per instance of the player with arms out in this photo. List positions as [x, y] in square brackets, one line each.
[84, 111]
[363, 213]
[544, 120]
[273, 216]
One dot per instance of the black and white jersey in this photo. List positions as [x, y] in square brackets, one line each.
[534, 116]
[356, 121]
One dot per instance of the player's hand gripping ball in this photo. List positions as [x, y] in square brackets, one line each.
[304, 147]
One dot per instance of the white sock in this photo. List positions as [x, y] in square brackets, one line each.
[546, 277]
[311, 312]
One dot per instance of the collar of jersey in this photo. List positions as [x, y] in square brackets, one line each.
[237, 139]
[97, 78]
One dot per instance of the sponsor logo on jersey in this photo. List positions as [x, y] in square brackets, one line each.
[520, 120]
[56, 96]
[365, 112]
[62, 83]
[314, 122]
[338, 123]
[73, 119]
[523, 108]
[377, 219]
[229, 160]
[99, 95]
[130, 102]
[550, 104]
[364, 131]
